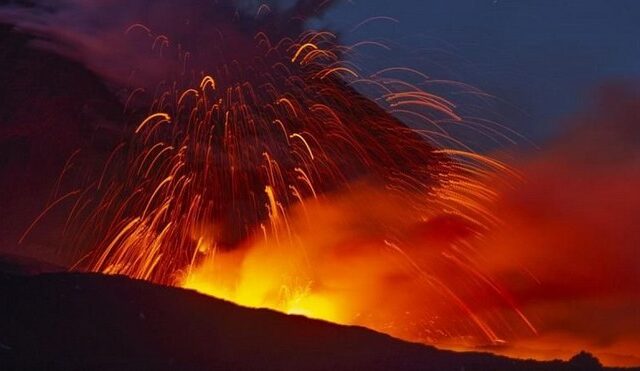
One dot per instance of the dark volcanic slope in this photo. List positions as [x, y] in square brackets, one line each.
[95, 322]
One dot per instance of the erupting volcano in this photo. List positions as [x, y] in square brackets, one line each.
[252, 160]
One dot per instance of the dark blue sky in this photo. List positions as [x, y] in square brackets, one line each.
[542, 56]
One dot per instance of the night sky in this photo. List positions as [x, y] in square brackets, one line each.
[543, 57]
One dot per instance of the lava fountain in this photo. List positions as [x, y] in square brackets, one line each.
[260, 174]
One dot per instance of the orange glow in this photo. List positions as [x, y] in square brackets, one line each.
[365, 257]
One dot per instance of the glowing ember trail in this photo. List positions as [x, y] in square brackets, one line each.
[271, 182]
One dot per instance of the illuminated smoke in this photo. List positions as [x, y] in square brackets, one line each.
[574, 227]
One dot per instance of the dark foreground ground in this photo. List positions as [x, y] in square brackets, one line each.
[63, 321]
